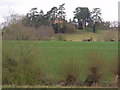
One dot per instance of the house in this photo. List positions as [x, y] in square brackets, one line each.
[58, 21]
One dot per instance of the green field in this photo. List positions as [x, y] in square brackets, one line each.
[50, 56]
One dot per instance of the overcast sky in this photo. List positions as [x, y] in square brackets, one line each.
[109, 7]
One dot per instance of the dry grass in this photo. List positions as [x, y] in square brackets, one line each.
[81, 36]
[113, 67]
[95, 65]
[70, 71]
[108, 35]
[63, 87]
[102, 35]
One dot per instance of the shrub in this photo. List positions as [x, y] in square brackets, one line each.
[114, 65]
[70, 71]
[114, 68]
[60, 37]
[20, 32]
[70, 28]
[19, 67]
[95, 63]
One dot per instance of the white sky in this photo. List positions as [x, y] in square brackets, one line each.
[109, 7]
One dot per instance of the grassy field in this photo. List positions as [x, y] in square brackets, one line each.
[51, 56]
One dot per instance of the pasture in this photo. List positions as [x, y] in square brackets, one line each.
[51, 56]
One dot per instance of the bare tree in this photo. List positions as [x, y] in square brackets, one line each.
[11, 18]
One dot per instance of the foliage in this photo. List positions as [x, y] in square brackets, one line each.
[35, 18]
[96, 15]
[52, 14]
[56, 27]
[61, 12]
[56, 13]
[89, 19]
[60, 27]
[96, 18]
[83, 16]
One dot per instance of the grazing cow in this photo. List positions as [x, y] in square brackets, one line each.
[112, 40]
[90, 39]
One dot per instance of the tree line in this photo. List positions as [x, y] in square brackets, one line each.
[83, 18]
[54, 21]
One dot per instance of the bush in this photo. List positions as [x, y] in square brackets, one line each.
[70, 28]
[60, 37]
[70, 71]
[19, 67]
[96, 67]
[20, 32]
[114, 68]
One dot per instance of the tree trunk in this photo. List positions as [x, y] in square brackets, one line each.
[94, 27]
[80, 26]
[83, 24]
